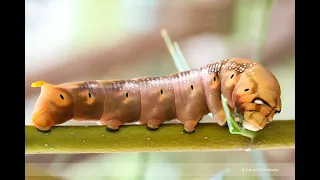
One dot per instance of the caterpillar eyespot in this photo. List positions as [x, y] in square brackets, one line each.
[146, 102]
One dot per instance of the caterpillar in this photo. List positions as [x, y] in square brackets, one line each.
[251, 90]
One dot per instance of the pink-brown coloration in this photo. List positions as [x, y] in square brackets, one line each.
[157, 100]
[122, 101]
[190, 100]
[185, 96]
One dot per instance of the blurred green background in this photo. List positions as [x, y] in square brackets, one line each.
[118, 39]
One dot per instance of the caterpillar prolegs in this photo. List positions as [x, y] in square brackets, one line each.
[251, 90]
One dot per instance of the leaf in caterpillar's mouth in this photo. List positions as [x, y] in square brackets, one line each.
[234, 127]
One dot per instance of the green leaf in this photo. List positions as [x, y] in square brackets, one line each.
[233, 126]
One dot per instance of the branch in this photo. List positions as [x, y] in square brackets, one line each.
[169, 137]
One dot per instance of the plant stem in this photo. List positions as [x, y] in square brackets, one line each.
[169, 137]
[264, 21]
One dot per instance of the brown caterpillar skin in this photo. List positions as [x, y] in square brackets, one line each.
[185, 96]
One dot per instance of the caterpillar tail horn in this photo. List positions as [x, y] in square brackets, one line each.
[38, 83]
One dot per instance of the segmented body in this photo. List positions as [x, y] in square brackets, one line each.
[186, 96]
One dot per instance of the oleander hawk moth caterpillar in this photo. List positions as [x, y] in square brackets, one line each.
[250, 89]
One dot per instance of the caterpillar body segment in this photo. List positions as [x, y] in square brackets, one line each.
[251, 90]
[157, 101]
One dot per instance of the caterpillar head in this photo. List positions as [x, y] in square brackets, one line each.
[54, 106]
[257, 96]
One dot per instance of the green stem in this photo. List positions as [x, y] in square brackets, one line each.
[169, 137]
[175, 52]
[263, 29]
